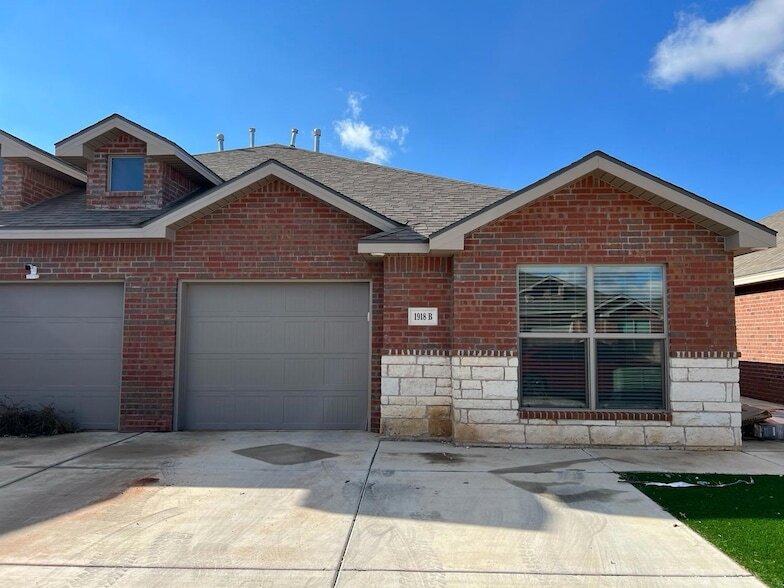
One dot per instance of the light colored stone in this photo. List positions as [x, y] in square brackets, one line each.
[482, 404]
[461, 373]
[432, 360]
[404, 371]
[510, 374]
[404, 427]
[403, 412]
[397, 359]
[390, 386]
[694, 391]
[490, 433]
[485, 361]
[733, 392]
[443, 391]
[444, 382]
[487, 373]
[513, 362]
[722, 406]
[701, 419]
[434, 400]
[417, 386]
[437, 371]
[493, 416]
[700, 362]
[401, 399]
[617, 435]
[679, 374]
[471, 393]
[713, 374]
[710, 437]
[471, 385]
[686, 406]
[557, 435]
[499, 389]
[664, 436]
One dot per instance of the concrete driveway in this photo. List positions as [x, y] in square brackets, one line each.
[345, 509]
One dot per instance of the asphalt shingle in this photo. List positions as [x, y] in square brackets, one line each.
[424, 202]
[767, 259]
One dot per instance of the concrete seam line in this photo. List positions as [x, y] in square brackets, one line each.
[354, 520]
[54, 465]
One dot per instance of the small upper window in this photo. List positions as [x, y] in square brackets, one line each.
[126, 174]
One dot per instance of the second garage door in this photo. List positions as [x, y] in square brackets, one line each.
[275, 356]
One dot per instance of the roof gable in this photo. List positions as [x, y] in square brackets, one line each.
[78, 147]
[762, 266]
[740, 234]
[12, 147]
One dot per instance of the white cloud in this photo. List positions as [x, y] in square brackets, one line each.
[750, 36]
[356, 135]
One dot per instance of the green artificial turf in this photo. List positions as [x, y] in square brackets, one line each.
[745, 521]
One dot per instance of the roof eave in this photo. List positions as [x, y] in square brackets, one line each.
[12, 147]
[760, 277]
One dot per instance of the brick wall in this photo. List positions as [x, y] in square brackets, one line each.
[415, 281]
[24, 185]
[759, 312]
[162, 183]
[273, 231]
[592, 222]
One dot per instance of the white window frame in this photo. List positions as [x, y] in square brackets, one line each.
[591, 336]
[109, 174]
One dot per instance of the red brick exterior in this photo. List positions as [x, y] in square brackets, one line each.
[162, 183]
[273, 232]
[24, 185]
[417, 280]
[592, 222]
[759, 311]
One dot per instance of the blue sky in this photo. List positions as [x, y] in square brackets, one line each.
[500, 93]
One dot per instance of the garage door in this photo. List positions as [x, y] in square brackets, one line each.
[275, 356]
[60, 344]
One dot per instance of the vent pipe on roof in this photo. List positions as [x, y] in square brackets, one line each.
[219, 137]
[252, 132]
[316, 139]
[293, 138]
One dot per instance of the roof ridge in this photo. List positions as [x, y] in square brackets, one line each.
[368, 163]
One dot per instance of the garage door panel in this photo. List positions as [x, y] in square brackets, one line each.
[285, 356]
[37, 335]
[346, 335]
[347, 373]
[61, 344]
[304, 337]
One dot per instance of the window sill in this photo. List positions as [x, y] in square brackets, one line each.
[594, 415]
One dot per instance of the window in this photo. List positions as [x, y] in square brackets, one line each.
[591, 337]
[126, 174]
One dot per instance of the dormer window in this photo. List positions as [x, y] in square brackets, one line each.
[126, 174]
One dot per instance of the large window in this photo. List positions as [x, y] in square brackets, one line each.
[126, 174]
[592, 337]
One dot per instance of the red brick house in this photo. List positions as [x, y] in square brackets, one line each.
[144, 288]
[759, 311]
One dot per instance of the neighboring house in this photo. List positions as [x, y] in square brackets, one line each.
[759, 312]
[278, 288]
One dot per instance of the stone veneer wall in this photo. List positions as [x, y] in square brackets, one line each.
[480, 391]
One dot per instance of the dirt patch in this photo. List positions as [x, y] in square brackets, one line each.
[145, 481]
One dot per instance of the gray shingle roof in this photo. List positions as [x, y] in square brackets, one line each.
[426, 203]
[70, 211]
[767, 259]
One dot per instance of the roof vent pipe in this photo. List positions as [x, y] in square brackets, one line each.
[316, 139]
[219, 137]
[293, 138]
[252, 132]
